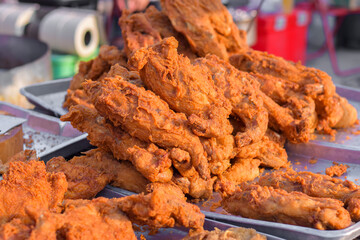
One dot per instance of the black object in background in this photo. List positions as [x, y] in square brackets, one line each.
[348, 35]
[89, 4]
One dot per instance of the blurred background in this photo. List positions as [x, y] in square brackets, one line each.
[42, 40]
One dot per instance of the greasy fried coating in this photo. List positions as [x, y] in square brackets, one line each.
[163, 207]
[145, 116]
[23, 156]
[148, 159]
[185, 87]
[243, 93]
[220, 150]
[83, 182]
[190, 182]
[15, 230]
[145, 29]
[238, 233]
[330, 108]
[336, 170]
[99, 218]
[270, 153]
[277, 205]
[97, 68]
[28, 184]
[122, 173]
[242, 170]
[317, 185]
[208, 26]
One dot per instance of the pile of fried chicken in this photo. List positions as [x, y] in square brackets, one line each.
[188, 103]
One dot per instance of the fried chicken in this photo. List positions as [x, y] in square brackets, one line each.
[122, 173]
[164, 206]
[317, 185]
[28, 184]
[330, 108]
[242, 170]
[145, 116]
[83, 182]
[185, 87]
[23, 156]
[148, 159]
[247, 104]
[277, 205]
[145, 29]
[238, 233]
[208, 26]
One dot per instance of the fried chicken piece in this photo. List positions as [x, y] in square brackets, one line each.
[238, 233]
[148, 159]
[15, 230]
[97, 68]
[242, 170]
[164, 206]
[28, 184]
[317, 185]
[312, 82]
[23, 156]
[247, 104]
[220, 151]
[336, 169]
[99, 218]
[145, 29]
[185, 87]
[349, 116]
[193, 184]
[270, 153]
[145, 116]
[295, 208]
[122, 173]
[76, 97]
[83, 182]
[208, 26]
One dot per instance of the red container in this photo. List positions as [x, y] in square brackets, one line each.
[283, 35]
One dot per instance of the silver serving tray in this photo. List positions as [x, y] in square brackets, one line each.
[171, 233]
[51, 137]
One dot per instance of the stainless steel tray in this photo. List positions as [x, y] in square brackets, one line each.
[48, 95]
[304, 162]
[171, 233]
[50, 136]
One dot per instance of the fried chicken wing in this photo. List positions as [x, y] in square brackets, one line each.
[185, 87]
[317, 185]
[145, 29]
[244, 96]
[148, 159]
[83, 182]
[277, 205]
[208, 26]
[122, 173]
[28, 184]
[162, 207]
[144, 115]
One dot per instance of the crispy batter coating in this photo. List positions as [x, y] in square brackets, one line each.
[208, 26]
[247, 104]
[28, 184]
[16, 229]
[144, 115]
[122, 173]
[83, 182]
[242, 170]
[296, 208]
[185, 87]
[336, 170]
[148, 159]
[145, 29]
[238, 233]
[23, 156]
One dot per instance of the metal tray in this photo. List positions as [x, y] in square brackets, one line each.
[50, 136]
[48, 95]
[300, 162]
[171, 233]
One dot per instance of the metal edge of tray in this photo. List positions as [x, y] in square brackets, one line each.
[31, 93]
[77, 144]
[112, 192]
